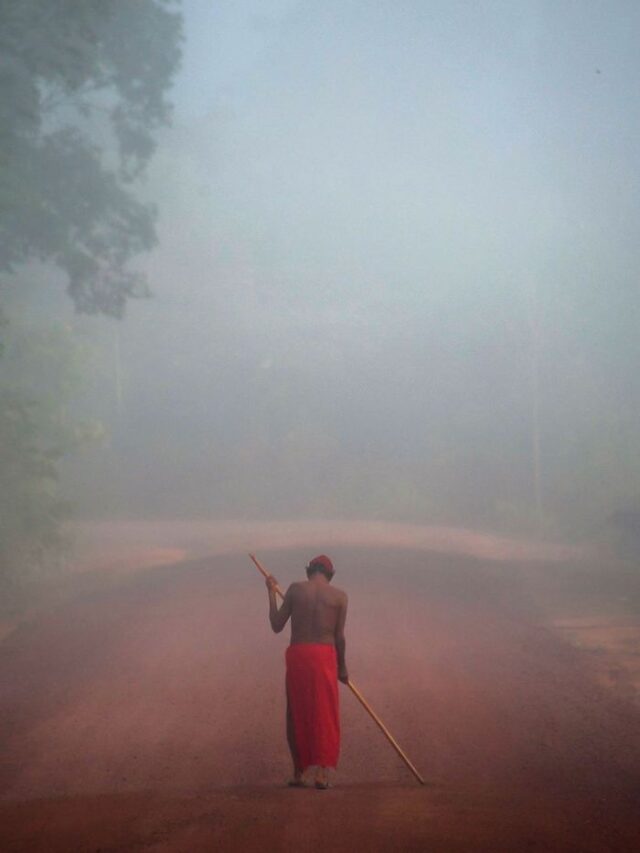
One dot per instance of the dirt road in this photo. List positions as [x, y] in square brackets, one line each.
[147, 714]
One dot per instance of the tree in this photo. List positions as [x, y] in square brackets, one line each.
[72, 75]
[83, 91]
[43, 369]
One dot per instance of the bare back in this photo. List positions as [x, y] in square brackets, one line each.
[318, 612]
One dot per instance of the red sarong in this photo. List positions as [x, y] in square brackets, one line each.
[312, 694]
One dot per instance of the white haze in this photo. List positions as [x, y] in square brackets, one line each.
[362, 208]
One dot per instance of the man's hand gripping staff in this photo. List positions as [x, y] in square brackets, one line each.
[274, 589]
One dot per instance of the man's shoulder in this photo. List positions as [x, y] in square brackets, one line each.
[340, 593]
[333, 592]
[295, 586]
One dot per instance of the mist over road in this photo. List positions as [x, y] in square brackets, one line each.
[138, 543]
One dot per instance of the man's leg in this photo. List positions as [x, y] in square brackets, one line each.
[291, 740]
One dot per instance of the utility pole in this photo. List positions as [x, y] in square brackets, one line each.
[534, 330]
[117, 371]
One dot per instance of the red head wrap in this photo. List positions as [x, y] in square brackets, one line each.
[324, 561]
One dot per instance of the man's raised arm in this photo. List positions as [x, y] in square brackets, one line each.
[278, 617]
[341, 644]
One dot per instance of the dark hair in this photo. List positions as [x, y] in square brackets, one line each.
[314, 568]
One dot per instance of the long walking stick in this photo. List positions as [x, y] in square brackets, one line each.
[385, 731]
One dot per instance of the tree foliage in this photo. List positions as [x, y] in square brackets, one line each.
[43, 369]
[82, 93]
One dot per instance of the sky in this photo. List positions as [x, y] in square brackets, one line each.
[350, 146]
[364, 210]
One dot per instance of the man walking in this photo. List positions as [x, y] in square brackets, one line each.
[315, 661]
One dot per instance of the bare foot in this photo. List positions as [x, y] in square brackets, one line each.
[322, 779]
[297, 780]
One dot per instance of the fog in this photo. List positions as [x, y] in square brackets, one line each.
[392, 317]
[396, 275]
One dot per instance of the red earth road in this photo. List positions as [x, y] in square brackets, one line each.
[148, 715]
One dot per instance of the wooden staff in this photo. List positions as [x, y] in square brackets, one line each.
[385, 731]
